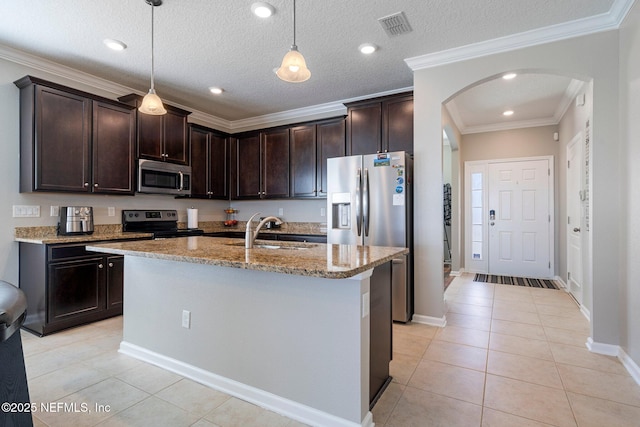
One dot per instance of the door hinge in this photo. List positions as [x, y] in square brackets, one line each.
[549, 264]
[568, 220]
[568, 275]
[548, 172]
[549, 217]
[568, 164]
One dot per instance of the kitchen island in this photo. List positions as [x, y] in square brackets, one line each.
[283, 326]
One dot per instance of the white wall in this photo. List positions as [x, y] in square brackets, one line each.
[586, 57]
[630, 157]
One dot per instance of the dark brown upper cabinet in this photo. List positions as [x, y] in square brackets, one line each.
[261, 165]
[331, 143]
[164, 137]
[209, 163]
[380, 125]
[311, 146]
[72, 141]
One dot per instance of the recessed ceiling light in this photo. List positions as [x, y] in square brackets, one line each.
[508, 113]
[114, 44]
[367, 48]
[262, 9]
[509, 76]
[216, 90]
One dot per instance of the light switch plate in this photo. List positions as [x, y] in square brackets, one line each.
[54, 211]
[111, 211]
[26, 211]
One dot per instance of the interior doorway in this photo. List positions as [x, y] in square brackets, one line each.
[575, 199]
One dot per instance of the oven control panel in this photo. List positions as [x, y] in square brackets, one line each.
[149, 215]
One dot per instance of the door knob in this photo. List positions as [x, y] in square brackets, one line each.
[576, 229]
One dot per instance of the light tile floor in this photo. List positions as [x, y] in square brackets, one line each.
[509, 356]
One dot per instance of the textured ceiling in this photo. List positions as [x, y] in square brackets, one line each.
[202, 43]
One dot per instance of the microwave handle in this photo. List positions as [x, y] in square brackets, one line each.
[181, 181]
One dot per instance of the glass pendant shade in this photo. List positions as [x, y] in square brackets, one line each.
[152, 104]
[294, 68]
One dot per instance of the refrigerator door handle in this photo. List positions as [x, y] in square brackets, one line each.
[359, 201]
[365, 202]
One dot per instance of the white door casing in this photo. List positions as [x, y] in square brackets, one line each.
[575, 198]
[520, 218]
[519, 238]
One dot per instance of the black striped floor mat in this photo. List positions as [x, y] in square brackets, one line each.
[518, 281]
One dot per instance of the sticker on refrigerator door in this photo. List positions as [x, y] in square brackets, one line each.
[382, 160]
[398, 200]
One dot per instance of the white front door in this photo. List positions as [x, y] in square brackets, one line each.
[574, 217]
[520, 218]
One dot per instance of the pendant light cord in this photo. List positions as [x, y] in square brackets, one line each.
[152, 68]
[294, 22]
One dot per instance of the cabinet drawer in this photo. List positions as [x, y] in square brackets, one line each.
[61, 253]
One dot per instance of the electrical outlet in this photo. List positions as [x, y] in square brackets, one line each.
[365, 304]
[186, 319]
[280, 211]
[111, 211]
[54, 211]
[323, 211]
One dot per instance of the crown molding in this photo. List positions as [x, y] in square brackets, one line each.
[594, 24]
[314, 112]
[496, 127]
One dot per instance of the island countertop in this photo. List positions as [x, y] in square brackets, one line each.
[330, 261]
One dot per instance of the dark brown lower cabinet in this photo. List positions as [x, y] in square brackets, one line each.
[67, 286]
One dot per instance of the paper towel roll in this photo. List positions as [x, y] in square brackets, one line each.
[192, 218]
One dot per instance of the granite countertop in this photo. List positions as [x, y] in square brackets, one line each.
[48, 235]
[304, 259]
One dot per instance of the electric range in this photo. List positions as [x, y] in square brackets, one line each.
[163, 223]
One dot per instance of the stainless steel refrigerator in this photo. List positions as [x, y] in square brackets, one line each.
[369, 203]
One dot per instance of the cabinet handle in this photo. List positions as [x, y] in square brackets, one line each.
[110, 264]
[95, 185]
[100, 266]
[86, 184]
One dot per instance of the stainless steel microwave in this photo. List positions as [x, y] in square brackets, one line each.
[163, 178]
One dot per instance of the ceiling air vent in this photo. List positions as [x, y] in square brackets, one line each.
[395, 24]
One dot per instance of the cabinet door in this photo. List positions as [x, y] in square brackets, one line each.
[275, 164]
[113, 148]
[303, 161]
[115, 283]
[175, 138]
[218, 167]
[364, 129]
[62, 141]
[397, 124]
[76, 289]
[247, 167]
[199, 139]
[331, 143]
[150, 135]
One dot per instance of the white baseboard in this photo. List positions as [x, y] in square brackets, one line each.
[617, 351]
[440, 322]
[457, 272]
[632, 367]
[289, 408]
[585, 312]
[563, 285]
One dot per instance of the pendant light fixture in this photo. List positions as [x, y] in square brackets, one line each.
[294, 68]
[151, 103]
